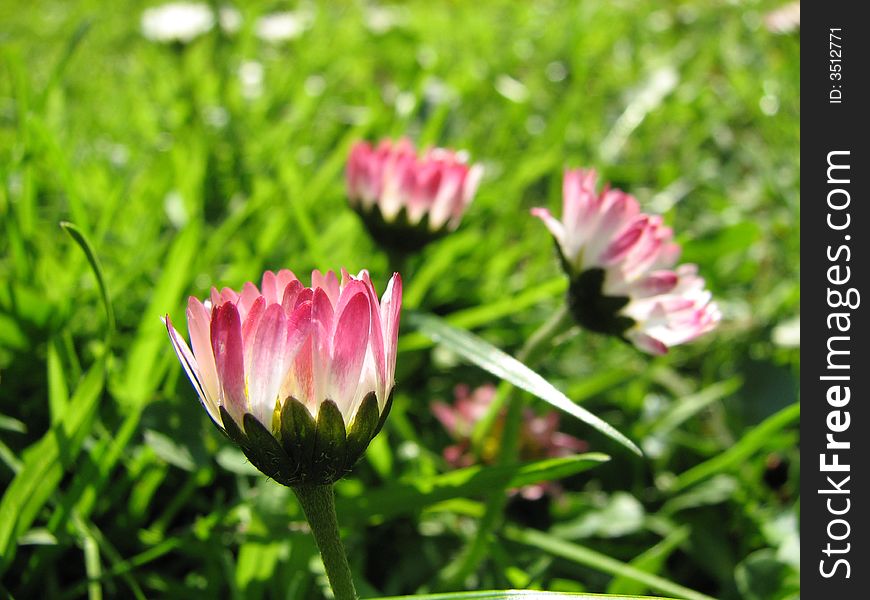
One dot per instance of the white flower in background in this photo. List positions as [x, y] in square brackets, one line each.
[283, 26]
[251, 78]
[381, 19]
[177, 22]
[183, 22]
[230, 19]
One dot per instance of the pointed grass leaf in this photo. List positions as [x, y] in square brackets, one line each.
[45, 463]
[587, 557]
[79, 237]
[739, 452]
[504, 366]
[520, 594]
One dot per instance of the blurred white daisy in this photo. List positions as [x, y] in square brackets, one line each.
[230, 19]
[251, 78]
[183, 22]
[785, 19]
[282, 26]
[177, 22]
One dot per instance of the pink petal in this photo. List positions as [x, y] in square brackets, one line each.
[270, 288]
[658, 282]
[249, 295]
[376, 335]
[226, 342]
[623, 243]
[225, 295]
[449, 195]
[290, 296]
[554, 225]
[322, 311]
[299, 381]
[575, 196]
[305, 295]
[327, 282]
[249, 326]
[191, 368]
[350, 343]
[647, 343]
[268, 365]
[618, 211]
[304, 384]
[472, 182]
[285, 277]
[391, 307]
[199, 327]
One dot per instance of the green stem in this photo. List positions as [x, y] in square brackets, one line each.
[318, 503]
[468, 561]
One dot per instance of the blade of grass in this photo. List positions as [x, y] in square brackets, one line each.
[650, 561]
[739, 452]
[481, 315]
[500, 364]
[58, 393]
[598, 561]
[410, 496]
[79, 237]
[45, 463]
[510, 594]
[688, 406]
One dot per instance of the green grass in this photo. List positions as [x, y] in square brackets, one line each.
[115, 484]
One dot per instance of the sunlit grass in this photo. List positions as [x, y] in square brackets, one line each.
[182, 176]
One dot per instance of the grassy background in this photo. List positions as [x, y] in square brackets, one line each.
[122, 487]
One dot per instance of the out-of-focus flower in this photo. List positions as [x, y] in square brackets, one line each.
[539, 435]
[408, 200]
[785, 19]
[251, 78]
[182, 22]
[230, 19]
[283, 26]
[381, 19]
[621, 264]
[177, 22]
[300, 378]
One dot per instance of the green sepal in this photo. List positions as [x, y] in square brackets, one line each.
[266, 453]
[592, 309]
[330, 445]
[399, 234]
[363, 428]
[309, 451]
[297, 433]
[387, 406]
[231, 429]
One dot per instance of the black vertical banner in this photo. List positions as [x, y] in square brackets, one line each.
[835, 371]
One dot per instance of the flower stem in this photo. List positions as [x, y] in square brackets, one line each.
[466, 563]
[318, 503]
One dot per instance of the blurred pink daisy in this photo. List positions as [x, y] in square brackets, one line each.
[539, 434]
[621, 263]
[406, 200]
